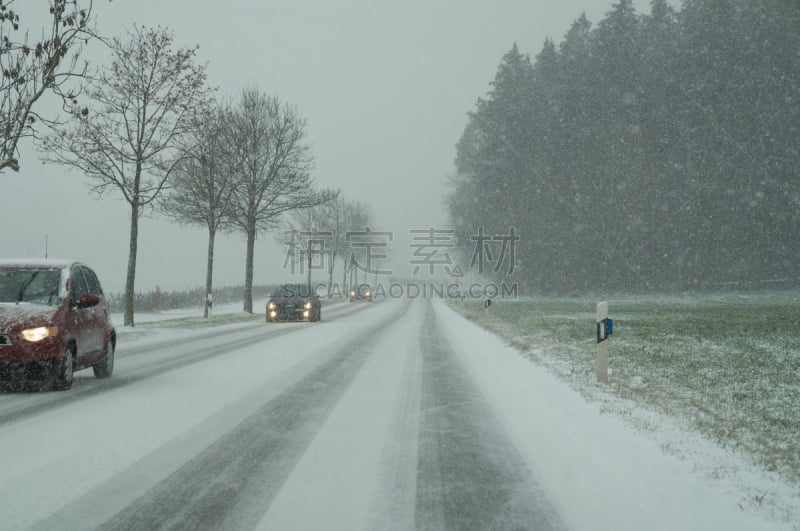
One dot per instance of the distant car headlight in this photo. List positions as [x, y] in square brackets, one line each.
[37, 334]
[272, 306]
[367, 294]
[273, 314]
[307, 306]
[352, 293]
[305, 313]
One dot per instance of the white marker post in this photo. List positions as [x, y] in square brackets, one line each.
[602, 343]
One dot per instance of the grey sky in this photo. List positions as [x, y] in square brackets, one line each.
[385, 87]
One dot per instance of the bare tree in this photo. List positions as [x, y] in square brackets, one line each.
[356, 216]
[34, 67]
[201, 185]
[267, 139]
[145, 104]
[305, 229]
[336, 218]
[310, 233]
[302, 227]
[334, 221]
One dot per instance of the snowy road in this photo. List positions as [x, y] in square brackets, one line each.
[469, 472]
[396, 415]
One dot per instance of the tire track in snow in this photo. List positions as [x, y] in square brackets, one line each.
[392, 505]
[34, 404]
[231, 483]
[469, 473]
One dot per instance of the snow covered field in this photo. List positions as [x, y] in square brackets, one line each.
[712, 379]
[395, 415]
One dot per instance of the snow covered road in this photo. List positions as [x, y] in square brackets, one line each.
[395, 415]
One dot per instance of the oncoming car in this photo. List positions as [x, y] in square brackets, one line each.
[294, 302]
[362, 293]
[54, 320]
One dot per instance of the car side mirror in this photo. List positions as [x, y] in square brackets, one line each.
[88, 300]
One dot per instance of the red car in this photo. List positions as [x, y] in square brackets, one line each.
[54, 320]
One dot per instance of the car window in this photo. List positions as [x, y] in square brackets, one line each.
[280, 292]
[292, 290]
[31, 285]
[78, 285]
[92, 283]
[10, 281]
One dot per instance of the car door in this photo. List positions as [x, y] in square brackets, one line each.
[96, 316]
[76, 318]
[84, 331]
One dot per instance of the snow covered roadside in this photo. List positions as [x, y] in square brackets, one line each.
[107, 450]
[599, 472]
[186, 318]
[182, 313]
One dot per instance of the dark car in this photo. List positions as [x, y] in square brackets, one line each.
[54, 320]
[362, 293]
[294, 302]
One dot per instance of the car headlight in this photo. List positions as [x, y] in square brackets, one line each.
[37, 334]
[367, 294]
[307, 306]
[271, 306]
[352, 293]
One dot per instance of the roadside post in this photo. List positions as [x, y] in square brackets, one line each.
[209, 305]
[457, 273]
[605, 328]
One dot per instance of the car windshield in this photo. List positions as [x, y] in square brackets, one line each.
[29, 285]
[291, 290]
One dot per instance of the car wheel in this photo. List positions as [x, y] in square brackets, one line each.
[65, 371]
[106, 368]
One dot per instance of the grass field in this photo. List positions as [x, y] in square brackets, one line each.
[728, 365]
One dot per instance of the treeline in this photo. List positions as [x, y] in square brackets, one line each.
[159, 300]
[651, 152]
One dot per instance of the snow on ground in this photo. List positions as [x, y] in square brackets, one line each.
[594, 465]
[337, 476]
[598, 472]
[195, 311]
[182, 410]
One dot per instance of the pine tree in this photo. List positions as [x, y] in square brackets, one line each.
[492, 158]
